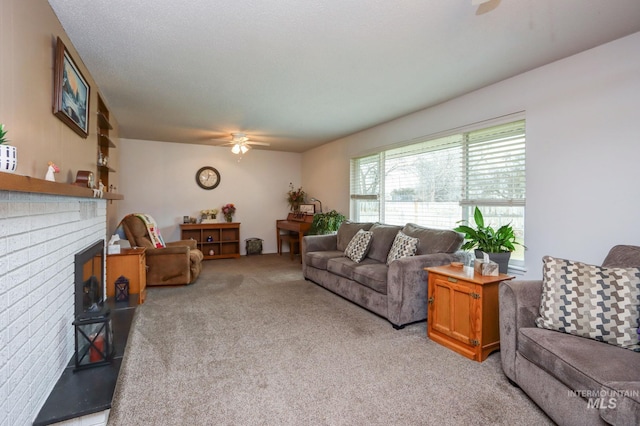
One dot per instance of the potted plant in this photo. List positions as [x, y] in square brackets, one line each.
[326, 223]
[8, 153]
[498, 244]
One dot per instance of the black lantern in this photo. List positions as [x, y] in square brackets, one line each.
[122, 289]
[94, 341]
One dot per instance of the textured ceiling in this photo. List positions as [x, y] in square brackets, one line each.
[301, 73]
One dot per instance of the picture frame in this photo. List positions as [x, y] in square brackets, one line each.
[308, 208]
[71, 92]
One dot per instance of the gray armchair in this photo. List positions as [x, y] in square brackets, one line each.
[567, 375]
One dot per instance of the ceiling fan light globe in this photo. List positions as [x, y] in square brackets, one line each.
[244, 149]
[236, 149]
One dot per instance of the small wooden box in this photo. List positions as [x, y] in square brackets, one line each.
[490, 268]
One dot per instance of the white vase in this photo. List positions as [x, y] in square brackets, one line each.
[8, 158]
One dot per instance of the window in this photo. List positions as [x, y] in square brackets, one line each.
[439, 181]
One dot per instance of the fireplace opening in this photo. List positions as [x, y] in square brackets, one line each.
[93, 332]
[89, 287]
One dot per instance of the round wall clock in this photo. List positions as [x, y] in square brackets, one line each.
[207, 177]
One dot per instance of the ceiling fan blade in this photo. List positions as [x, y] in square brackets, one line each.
[250, 142]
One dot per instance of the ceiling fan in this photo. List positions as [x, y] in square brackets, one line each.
[240, 143]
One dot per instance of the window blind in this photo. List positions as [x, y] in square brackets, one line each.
[437, 182]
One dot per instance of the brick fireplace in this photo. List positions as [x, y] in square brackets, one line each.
[39, 236]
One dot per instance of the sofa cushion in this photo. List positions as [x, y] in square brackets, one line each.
[403, 246]
[359, 245]
[318, 259]
[345, 267]
[434, 240]
[342, 266]
[591, 301]
[580, 363]
[621, 403]
[383, 236]
[372, 275]
[346, 232]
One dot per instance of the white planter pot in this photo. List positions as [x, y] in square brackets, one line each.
[8, 158]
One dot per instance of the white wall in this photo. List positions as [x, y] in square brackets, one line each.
[583, 147]
[158, 178]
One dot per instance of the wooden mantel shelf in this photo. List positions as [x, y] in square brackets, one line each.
[19, 183]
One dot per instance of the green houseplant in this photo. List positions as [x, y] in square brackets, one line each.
[497, 243]
[326, 223]
[8, 153]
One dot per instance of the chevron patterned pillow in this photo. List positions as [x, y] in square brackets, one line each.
[359, 245]
[591, 301]
[403, 246]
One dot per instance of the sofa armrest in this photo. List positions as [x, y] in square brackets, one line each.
[319, 243]
[519, 306]
[407, 286]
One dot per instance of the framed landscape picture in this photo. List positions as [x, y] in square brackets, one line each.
[307, 208]
[70, 92]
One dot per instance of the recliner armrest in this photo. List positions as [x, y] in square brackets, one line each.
[519, 306]
[168, 251]
[192, 244]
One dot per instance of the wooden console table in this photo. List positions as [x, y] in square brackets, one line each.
[462, 312]
[221, 239]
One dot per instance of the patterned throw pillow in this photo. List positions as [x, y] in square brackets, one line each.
[403, 246]
[358, 246]
[591, 301]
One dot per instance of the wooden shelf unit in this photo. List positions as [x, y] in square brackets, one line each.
[225, 238]
[104, 142]
[462, 311]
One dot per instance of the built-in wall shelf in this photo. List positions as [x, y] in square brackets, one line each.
[103, 121]
[104, 140]
[19, 183]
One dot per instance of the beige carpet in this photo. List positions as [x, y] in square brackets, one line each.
[253, 343]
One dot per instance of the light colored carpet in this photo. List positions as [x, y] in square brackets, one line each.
[253, 343]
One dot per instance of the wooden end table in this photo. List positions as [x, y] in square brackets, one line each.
[462, 312]
[132, 264]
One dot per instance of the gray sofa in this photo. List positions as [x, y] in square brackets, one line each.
[567, 375]
[397, 292]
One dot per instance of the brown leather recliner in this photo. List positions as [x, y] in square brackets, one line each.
[179, 263]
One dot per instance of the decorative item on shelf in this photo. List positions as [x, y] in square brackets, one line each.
[122, 289]
[103, 160]
[208, 216]
[211, 252]
[50, 176]
[295, 197]
[209, 239]
[228, 210]
[85, 179]
[326, 223]
[497, 244]
[8, 153]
